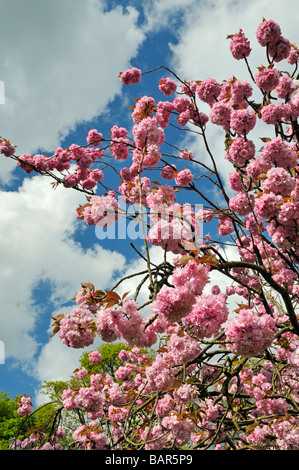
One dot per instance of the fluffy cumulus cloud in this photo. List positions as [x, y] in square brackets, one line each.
[202, 51]
[60, 62]
[37, 229]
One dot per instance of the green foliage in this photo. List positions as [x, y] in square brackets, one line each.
[110, 360]
[11, 423]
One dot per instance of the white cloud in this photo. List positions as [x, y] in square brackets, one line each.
[161, 14]
[202, 50]
[60, 65]
[37, 228]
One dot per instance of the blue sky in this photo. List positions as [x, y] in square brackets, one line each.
[60, 65]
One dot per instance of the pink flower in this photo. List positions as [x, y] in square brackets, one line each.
[167, 86]
[236, 182]
[285, 87]
[144, 108]
[220, 115]
[242, 120]
[266, 206]
[90, 437]
[181, 104]
[267, 79]
[6, 148]
[130, 190]
[240, 91]
[130, 76]
[254, 224]
[241, 150]
[102, 210]
[181, 428]
[164, 406]
[147, 132]
[208, 313]
[194, 276]
[171, 225]
[159, 375]
[271, 113]
[71, 181]
[81, 373]
[75, 328]
[279, 153]
[94, 137]
[184, 117]
[106, 324]
[240, 46]
[280, 49]
[25, 161]
[168, 172]
[248, 334]
[256, 167]
[278, 181]
[95, 357]
[184, 177]
[268, 32]
[164, 111]
[181, 349]
[173, 304]
[293, 55]
[208, 91]
[25, 406]
[241, 203]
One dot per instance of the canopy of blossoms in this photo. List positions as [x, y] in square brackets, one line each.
[220, 379]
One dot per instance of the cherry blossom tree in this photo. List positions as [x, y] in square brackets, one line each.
[224, 376]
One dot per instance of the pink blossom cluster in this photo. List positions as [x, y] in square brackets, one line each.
[208, 91]
[120, 144]
[248, 334]
[38, 441]
[268, 78]
[63, 159]
[179, 427]
[173, 226]
[25, 406]
[101, 210]
[175, 303]
[130, 190]
[269, 35]
[95, 357]
[6, 148]
[181, 348]
[163, 113]
[208, 313]
[239, 45]
[127, 323]
[130, 76]
[282, 435]
[184, 177]
[167, 86]
[242, 121]
[148, 138]
[241, 151]
[76, 328]
[90, 437]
